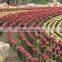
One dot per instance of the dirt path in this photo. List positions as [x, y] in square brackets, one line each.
[12, 55]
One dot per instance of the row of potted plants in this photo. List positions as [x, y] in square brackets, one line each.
[43, 46]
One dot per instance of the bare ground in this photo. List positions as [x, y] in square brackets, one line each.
[12, 55]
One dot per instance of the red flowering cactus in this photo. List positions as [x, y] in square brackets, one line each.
[14, 41]
[35, 50]
[21, 50]
[41, 43]
[29, 44]
[54, 45]
[19, 47]
[29, 58]
[31, 35]
[43, 46]
[5, 17]
[27, 54]
[24, 52]
[22, 36]
[44, 41]
[57, 48]
[44, 56]
[53, 48]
